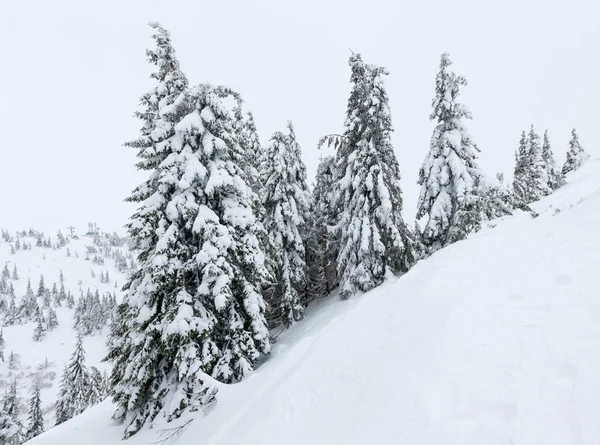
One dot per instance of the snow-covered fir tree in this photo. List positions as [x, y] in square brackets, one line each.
[39, 333]
[520, 188]
[575, 156]
[15, 274]
[41, 287]
[537, 178]
[192, 307]
[556, 179]
[455, 194]
[97, 386]
[73, 397]
[368, 197]
[321, 244]
[11, 429]
[5, 272]
[245, 130]
[286, 200]
[35, 419]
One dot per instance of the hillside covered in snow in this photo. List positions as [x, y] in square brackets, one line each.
[51, 287]
[492, 340]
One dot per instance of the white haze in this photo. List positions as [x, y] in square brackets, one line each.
[72, 74]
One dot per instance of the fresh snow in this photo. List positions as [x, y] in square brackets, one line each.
[59, 343]
[492, 340]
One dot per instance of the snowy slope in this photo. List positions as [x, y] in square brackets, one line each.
[57, 347]
[494, 340]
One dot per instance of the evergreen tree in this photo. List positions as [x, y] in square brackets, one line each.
[74, 392]
[187, 312]
[322, 246]
[52, 321]
[15, 274]
[450, 175]
[368, 197]
[70, 300]
[555, 177]
[41, 287]
[39, 332]
[520, 188]
[11, 430]
[576, 155]
[36, 419]
[62, 406]
[245, 130]
[287, 203]
[97, 390]
[5, 272]
[29, 304]
[538, 178]
[11, 400]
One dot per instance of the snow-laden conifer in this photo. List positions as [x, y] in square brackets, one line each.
[286, 200]
[193, 307]
[455, 195]
[35, 419]
[556, 179]
[368, 198]
[575, 156]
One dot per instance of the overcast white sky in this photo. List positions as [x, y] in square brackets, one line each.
[73, 71]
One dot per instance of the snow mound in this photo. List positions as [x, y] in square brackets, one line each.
[493, 340]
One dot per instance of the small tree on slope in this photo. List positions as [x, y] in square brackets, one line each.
[36, 419]
[368, 197]
[555, 177]
[576, 155]
[193, 306]
[538, 178]
[287, 201]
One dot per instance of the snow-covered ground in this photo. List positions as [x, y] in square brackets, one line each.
[58, 345]
[494, 340]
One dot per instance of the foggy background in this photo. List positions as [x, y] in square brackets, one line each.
[72, 74]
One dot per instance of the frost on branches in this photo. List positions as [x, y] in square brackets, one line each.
[368, 197]
[193, 310]
[286, 200]
[455, 195]
[575, 156]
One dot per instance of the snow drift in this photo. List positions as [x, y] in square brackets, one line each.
[493, 340]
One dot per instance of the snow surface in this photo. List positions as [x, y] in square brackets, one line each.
[492, 340]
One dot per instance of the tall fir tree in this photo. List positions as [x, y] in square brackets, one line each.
[74, 392]
[192, 308]
[555, 177]
[576, 155]
[367, 194]
[35, 420]
[286, 200]
[453, 188]
[322, 245]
